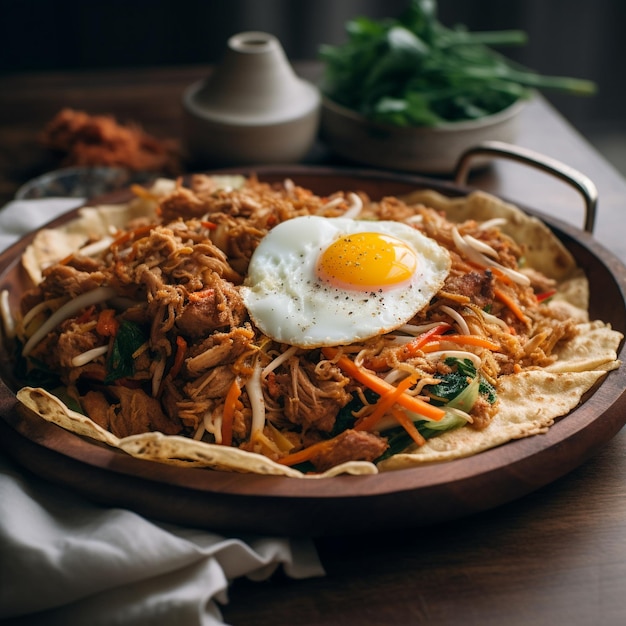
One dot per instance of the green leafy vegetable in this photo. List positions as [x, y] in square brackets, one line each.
[345, 418]
[454, 383]
[414, 71]
[398, 439]
[459, 390]
[465, 400]
[121, 363]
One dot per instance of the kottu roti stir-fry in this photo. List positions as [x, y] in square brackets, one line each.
[246, 326]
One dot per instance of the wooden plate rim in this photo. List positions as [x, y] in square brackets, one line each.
[606, 405]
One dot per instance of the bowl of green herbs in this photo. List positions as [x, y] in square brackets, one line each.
[411, 94]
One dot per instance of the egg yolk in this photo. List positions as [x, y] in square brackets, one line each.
[365, 261]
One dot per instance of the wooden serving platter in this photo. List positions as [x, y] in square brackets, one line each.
[230, 502]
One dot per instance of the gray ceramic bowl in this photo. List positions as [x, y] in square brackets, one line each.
[80, 182]
[431, 150]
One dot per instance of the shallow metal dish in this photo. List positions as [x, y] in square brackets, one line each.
[80, 182]
[232, 502]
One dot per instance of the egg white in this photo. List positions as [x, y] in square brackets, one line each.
[289, 303]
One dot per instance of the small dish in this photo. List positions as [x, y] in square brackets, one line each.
[79, 182]
[426, 150]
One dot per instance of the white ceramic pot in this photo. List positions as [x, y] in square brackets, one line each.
[252, 109]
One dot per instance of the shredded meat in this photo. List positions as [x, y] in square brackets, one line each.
[217, 307]
[59, 349]
[65, 280]
[84, 139]
[482, 413]
[72, 343]
[242, 217]
[350, 445]
[97, 407]
[309, 400]
[477, 286]
[218, 349]
[139, 413]
[187, 355]
[133, 414]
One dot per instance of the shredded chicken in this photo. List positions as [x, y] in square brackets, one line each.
[84, 139]
[177, 339]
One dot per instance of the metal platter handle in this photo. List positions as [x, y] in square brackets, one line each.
[546, 164]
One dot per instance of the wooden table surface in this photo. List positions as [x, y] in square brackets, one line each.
[557, 556]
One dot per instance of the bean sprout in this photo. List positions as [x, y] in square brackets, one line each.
[66, 311]
[89, 355]
[458, 318]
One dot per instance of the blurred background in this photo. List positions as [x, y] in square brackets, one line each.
[580, 38]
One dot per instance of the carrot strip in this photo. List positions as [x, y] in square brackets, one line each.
[409, 350]
[382, 387]
[179, 357]
[107, 325]
[413, 347]
[385, 402]
[87, 315]
[230, 405]
[65, 260]
[208, 225]
[377, 363]
[131, 235]
[407, 423]
[308, 453]
[510, 303]
[433, 346]
[546, 295]
[501, 276]
[470, 340]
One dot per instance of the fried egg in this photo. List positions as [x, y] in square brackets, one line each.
[315, 281]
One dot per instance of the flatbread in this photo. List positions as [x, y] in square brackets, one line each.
[171, 449]
[528, 402]
[50, 245]
[543, 251]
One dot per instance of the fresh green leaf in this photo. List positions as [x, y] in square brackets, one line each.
[488, 391]
[455, 383]
[400, 54]
[414, 110]
[451, 385]
[441, 74]
[450, 421]
[398, 439]
[464, 366]
[466, 399]
[421, 18]
[121, 363]
[345, 418]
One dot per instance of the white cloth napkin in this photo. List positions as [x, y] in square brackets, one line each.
[66, 561]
